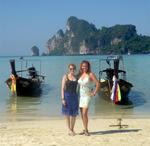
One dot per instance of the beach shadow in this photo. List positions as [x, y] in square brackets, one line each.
[114, 131]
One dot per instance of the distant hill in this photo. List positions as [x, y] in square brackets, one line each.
[35, 51]
[81, 37]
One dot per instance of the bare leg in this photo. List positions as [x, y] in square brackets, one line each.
[72, 123]
[85, 118]
[81, 109]
[68, 122]
[85, 121]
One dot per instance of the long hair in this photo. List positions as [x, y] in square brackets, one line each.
[88, 65]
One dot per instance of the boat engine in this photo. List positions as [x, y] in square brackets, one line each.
[32, 72]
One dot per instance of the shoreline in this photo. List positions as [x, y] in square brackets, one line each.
[43, 118]
[53, 132]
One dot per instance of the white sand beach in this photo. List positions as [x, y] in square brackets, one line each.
[53, 132]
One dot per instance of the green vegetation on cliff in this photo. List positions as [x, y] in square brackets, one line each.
[82, 37]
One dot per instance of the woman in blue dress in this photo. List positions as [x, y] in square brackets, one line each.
[69, 98]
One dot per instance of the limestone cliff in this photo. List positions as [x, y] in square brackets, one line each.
[35, 51]
[82, 37]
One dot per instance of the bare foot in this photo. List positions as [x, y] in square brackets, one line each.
[82, 132]
[71, 133]
[87, 133]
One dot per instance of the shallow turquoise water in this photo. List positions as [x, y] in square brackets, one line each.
[54, 67]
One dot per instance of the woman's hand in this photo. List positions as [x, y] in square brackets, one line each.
[63, 102]
[92, 94]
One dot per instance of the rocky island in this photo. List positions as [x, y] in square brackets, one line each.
[35, 51]
[82, 37]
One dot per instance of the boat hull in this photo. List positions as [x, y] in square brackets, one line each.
[125, 88]
[26, 87]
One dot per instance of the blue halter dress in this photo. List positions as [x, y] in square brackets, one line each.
[71, 98]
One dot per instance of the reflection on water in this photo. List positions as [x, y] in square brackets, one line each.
[45, 89]
[28, 106]
[106, 108]
[19, 107]
[22, 105]
[137, 98]
[13, 105]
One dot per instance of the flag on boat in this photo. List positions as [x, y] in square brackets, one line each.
[115, 94]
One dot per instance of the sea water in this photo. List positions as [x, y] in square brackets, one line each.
[48, 104]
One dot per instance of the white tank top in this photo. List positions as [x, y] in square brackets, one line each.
[85, 86]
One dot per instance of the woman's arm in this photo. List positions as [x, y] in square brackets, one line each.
[97, 83]
[62, 89]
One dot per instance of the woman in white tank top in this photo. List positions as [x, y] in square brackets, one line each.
[85, 91]
[86, 77]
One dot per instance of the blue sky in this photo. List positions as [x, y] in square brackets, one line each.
[25, 23]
